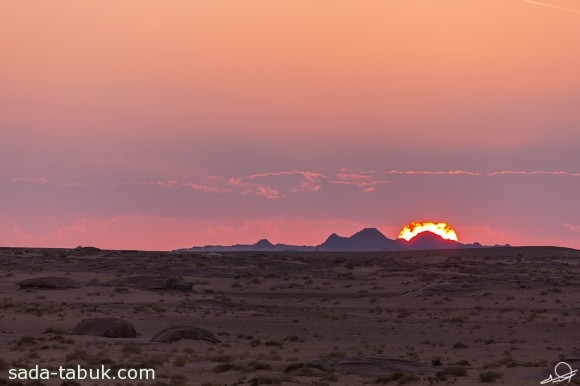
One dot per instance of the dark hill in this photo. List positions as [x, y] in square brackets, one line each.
[264, 244]
[428, 240]
[369, 239]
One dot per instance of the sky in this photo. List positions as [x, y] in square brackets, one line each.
[145, 124]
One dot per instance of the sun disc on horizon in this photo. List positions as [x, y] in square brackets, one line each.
[441, 229]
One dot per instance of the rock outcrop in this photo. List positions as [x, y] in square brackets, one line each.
[173, 334]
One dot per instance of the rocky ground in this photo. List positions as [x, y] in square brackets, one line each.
[464, 317]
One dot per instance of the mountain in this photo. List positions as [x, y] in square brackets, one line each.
[369, 239]
[428, 240]
[264, 244]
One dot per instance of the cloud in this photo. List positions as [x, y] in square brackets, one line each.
[39, 180]
[242, 187]
[573, 227]
[205, 188]
[174, 184]
[434, 173]
[367, 180]
[281, 184]
[277, 184]
[536, 172]
[494, 173]
[265, 191]
[311, 176]
[551, 6]
[306, 180]
[165, 184]
[78, 185]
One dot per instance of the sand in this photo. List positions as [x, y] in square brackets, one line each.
[426, 317]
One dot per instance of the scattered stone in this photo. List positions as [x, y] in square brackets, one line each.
[153, 283]
[520, 284]
[48, 282]
[220, 305]
[107, 327]
[217, 305]
[371, 366]
[173, 334]
[452, 287]
[302, 369]
[287, 286]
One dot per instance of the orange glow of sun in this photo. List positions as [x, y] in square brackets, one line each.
[414, 228]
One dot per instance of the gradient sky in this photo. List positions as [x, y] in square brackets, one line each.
[152, 124]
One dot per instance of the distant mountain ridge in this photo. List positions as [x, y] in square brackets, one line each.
[368, 239]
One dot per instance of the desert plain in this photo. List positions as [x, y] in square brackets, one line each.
[468, 316]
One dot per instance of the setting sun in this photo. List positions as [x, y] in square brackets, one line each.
[441, 229]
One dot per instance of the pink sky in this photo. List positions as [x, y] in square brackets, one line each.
[159, 125]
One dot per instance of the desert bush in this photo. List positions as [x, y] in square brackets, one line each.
[131, 348]
[151, 361]
[388, 378]
[77, 355]
[335, 354]
[301, 365]
[507, 361]
[177, 380]
[262, 380]
[220, 358]
[273, 343]
[53, 330]
[259, 366]
[26, 340]
[490, 377]
[400, 378]
[456, 371]
[180, 361]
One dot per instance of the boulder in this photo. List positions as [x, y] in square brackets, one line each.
[107, 327]
[49, 282]
[173, 334]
